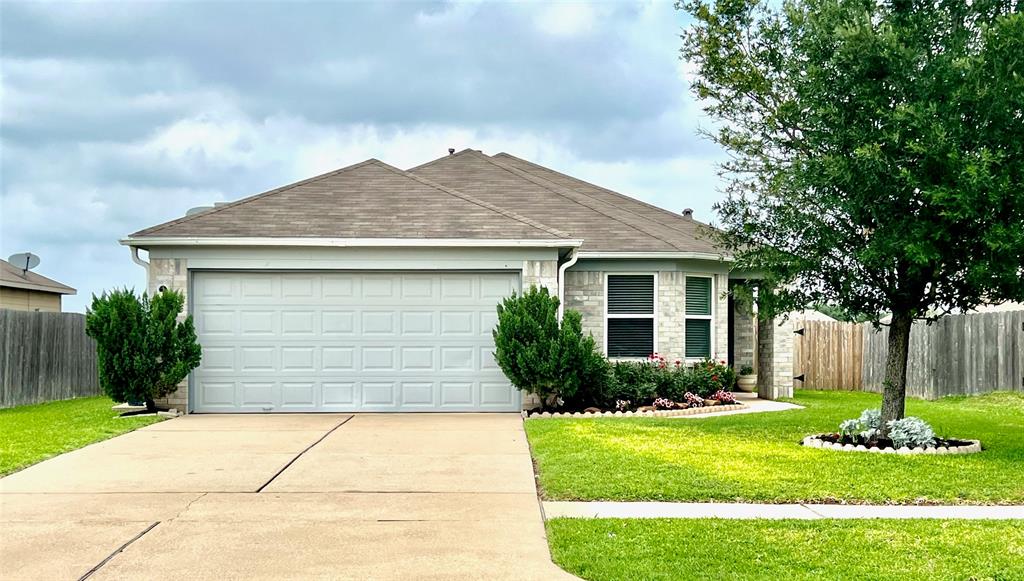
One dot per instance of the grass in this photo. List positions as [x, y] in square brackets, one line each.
[33, 433]
[794, 550]
[757, 457]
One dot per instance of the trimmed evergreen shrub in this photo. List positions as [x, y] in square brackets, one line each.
[143, 351]
[540, 356]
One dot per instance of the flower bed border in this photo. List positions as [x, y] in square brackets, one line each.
[646, 414]
[816, 442]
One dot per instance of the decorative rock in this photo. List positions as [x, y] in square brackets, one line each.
[645, 408]
[592, 410]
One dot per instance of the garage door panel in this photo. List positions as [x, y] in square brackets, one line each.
[349, 342]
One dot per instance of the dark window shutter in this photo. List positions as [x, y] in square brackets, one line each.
[698, 338]
[630, 337]
[698, 295]
[631, 294]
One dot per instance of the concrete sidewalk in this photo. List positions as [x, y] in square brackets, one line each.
[301, 496]
[735, 510]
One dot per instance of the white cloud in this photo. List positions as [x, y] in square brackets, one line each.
[566, 19]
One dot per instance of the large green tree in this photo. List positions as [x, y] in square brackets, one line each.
[876, 153]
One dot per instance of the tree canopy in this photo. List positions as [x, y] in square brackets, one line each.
[876, 153]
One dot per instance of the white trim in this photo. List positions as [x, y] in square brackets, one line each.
[711, 318]
[691, 255]
[350, 242]
[573, 257]
[653, 315]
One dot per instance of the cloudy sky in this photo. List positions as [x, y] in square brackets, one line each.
[114, 117]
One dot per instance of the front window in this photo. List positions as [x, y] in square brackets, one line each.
[630, 315]
[698, 317]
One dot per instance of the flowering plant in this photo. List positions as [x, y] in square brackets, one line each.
[693, 400]
[622, 404]
[663, 403]
[724, 397]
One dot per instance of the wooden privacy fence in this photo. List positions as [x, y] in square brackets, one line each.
[827, 354]
[44, 357]
[958, 354]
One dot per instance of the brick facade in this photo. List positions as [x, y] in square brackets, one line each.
[584, 292]
[774, 359]
[173, 274]
[671, 310]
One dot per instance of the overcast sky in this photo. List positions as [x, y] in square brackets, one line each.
[120, 116]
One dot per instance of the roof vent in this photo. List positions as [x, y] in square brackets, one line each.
[451, 151]
[688, 213]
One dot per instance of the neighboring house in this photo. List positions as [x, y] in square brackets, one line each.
[24, 290]
[372, 288]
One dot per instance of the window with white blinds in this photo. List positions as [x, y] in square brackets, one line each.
[629, 318]
[697, 330]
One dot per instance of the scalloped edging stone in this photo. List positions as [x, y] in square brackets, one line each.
[647, 414]
[815, 442]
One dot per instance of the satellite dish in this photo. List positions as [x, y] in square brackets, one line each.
[26, 261]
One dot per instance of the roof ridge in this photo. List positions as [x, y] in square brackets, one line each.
[561, 191]
[254, 197]
[442, 158]
[484, 204]
[609, 191]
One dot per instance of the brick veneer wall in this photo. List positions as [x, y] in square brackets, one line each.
[173, 274]
[774, 359]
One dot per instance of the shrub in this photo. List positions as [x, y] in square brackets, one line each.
[863, 429]
[911, 432]
[540, 356]
[746, 370]
[143, 352]
[709, 376]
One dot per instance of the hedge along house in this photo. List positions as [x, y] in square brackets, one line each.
[371, 288]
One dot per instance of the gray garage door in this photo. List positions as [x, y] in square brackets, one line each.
[349, 341]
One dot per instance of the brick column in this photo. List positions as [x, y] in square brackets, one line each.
[774, 359]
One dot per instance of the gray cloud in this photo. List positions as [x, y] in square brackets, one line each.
[118, 116]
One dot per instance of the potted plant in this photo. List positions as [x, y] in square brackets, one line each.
[747, 380]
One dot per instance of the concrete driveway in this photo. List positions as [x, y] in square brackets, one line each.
[326, 496]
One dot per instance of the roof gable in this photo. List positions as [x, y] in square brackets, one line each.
[366, 200]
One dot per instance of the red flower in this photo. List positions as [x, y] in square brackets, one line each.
[714, 377]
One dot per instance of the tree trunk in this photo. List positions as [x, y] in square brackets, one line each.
[150, 405]
[894, 386]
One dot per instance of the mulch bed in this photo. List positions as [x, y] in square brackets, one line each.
[886, 442]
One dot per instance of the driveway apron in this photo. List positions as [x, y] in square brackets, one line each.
[290, 496]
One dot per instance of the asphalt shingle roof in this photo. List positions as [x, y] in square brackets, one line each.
[465, 195]
[607, 221]
[366, 200]
[13, 277]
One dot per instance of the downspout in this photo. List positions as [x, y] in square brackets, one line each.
[573, 257]
[139, 261]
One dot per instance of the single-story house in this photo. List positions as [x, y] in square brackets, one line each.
[370, 288]
[24, 290]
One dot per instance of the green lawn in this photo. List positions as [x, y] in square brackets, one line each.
[33, 433]
[794, 550]
[757, 457]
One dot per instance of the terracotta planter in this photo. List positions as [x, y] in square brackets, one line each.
[747, 383]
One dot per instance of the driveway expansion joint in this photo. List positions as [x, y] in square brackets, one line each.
[299, 455]
[117, 552]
